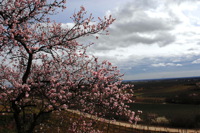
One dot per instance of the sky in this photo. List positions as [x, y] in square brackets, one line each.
[149, 38]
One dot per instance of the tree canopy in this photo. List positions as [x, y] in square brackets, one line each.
[45, 69]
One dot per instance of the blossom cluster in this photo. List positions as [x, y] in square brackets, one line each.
[45, 69]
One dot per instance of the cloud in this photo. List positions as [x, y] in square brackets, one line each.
[166, 74]
[181, 1]
[160, 38]
[144, 22]
[165, 64]
[139, 22]
[151, 36]
[196, 61]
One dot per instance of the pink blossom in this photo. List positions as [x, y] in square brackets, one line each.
[64, 106]
[53, 90]
[27, 95]
[82, 8]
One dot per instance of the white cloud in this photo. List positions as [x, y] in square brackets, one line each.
[165, 64]
[196, 61]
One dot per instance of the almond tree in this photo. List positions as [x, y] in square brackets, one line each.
[45, 69]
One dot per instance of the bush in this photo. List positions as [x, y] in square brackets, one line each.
[161, 121]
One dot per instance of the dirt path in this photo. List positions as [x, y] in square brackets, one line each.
[132, 128]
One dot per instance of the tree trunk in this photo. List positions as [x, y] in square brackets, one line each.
[28, 69]
[20, 124]
[16, 116]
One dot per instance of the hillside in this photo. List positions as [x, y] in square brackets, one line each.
[168, 102]
[180, 90]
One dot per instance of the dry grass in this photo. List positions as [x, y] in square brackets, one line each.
[59, 122]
